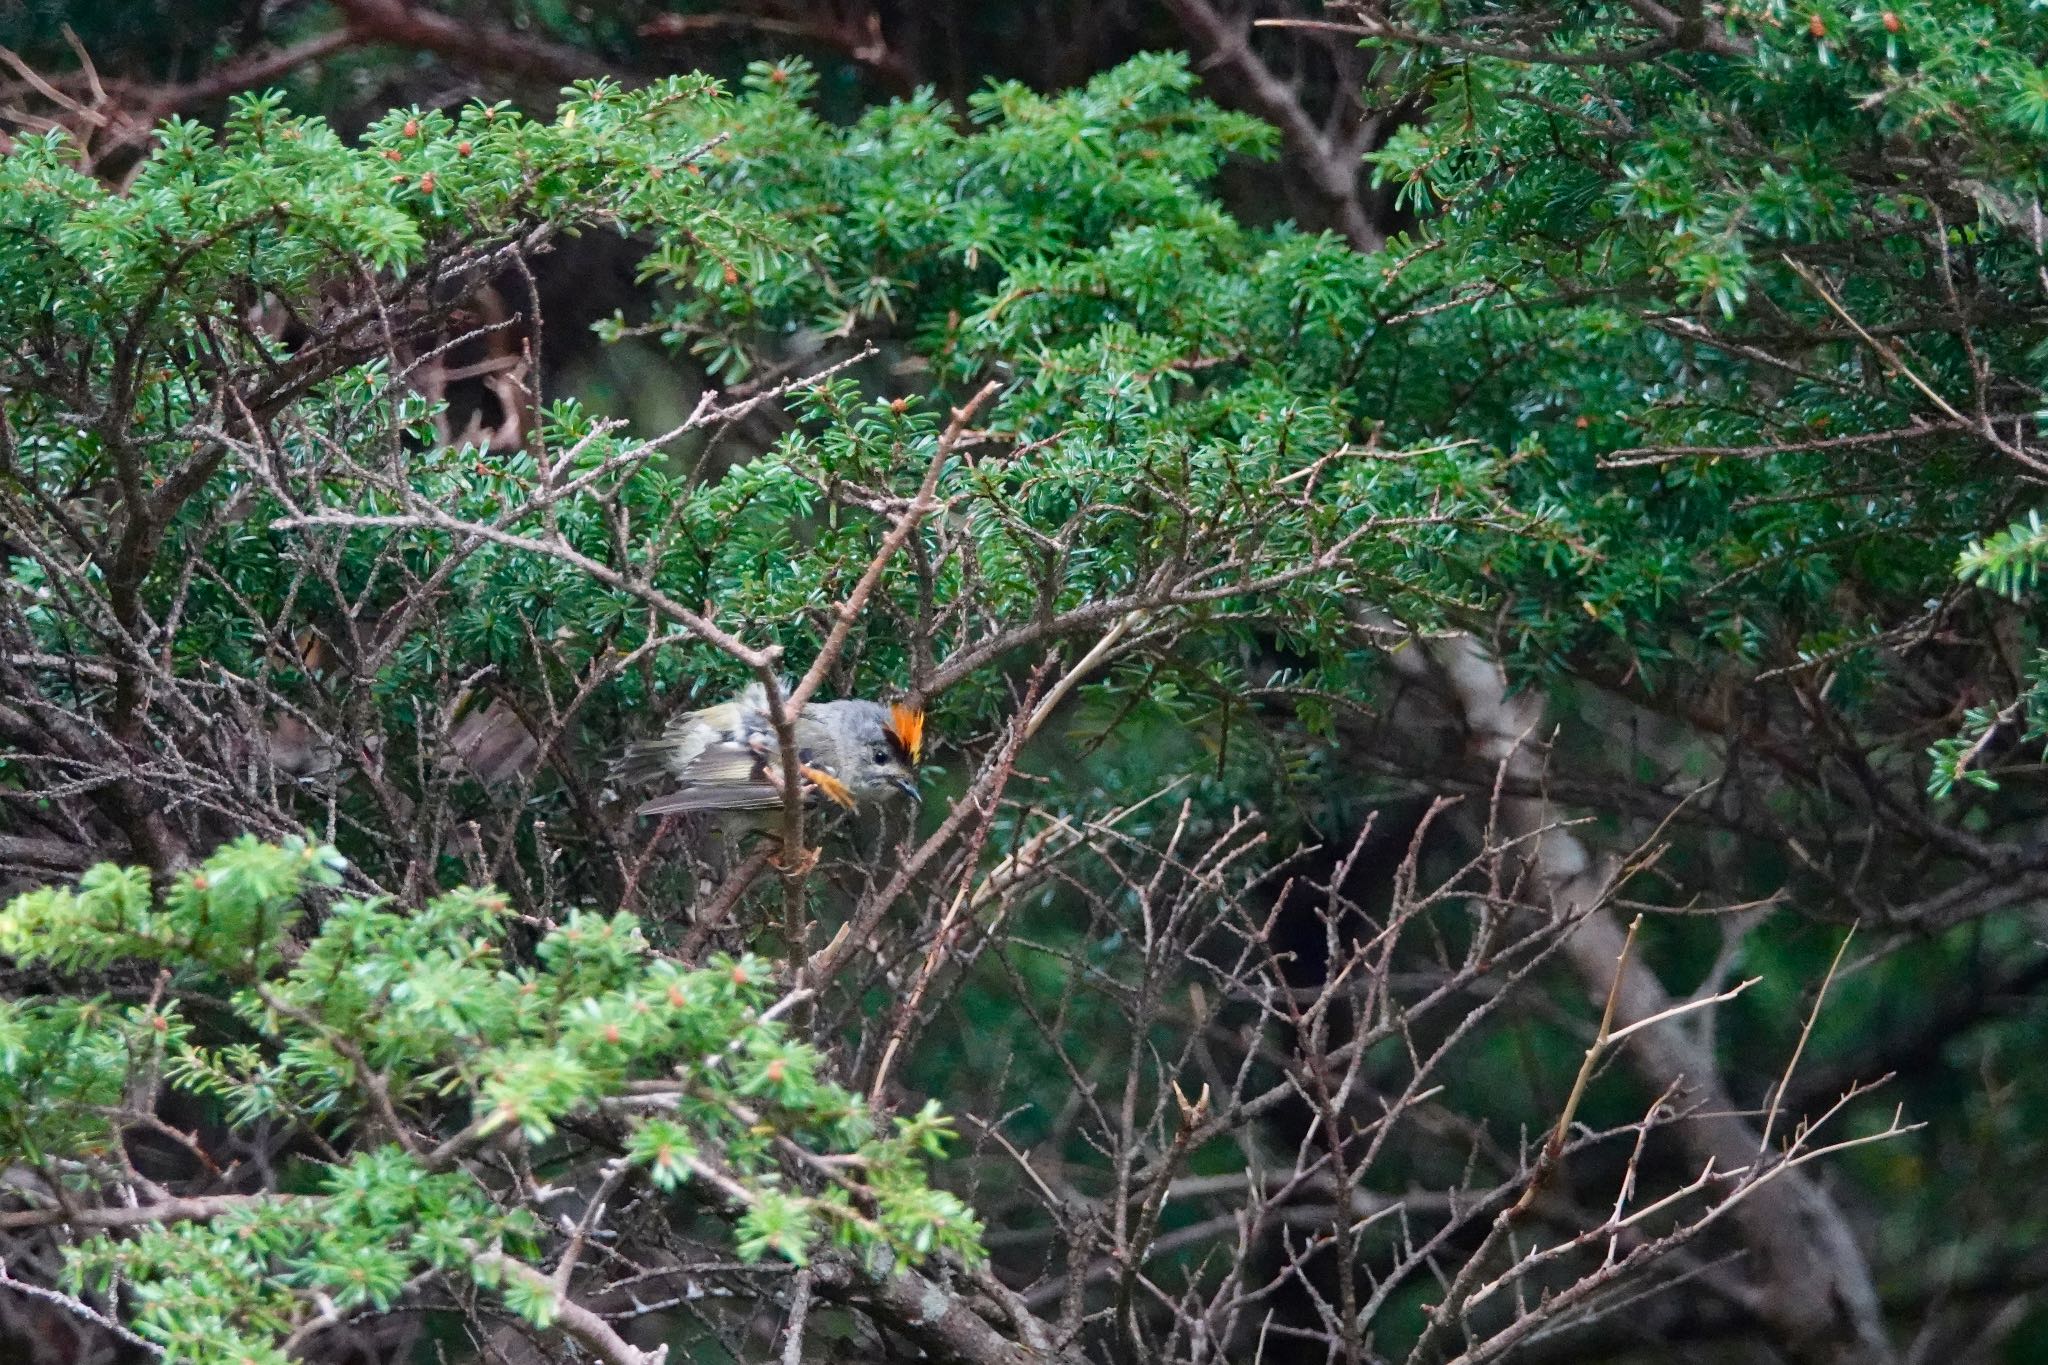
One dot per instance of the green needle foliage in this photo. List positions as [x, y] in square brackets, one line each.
[1192, 444]
[1700, 386]
[414, 1039]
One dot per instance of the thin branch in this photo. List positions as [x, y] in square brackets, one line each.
[78, 1308]
[921, 506]
[1777, 1100]
[588, 1330]
[403, 24]
[1334, 167]
[1554, 1147]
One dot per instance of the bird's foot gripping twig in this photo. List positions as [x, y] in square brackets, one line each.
[794, 866]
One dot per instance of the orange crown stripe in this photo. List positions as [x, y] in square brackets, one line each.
[907, 724]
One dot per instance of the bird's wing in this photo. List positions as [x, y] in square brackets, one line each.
[726, 759]
[758, 797]
[729, 774]
[726, 763]
[729, 778]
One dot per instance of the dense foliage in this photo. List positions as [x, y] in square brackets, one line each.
[1649, 524]
[422, 1010]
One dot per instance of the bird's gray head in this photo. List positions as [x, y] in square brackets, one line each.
[879, 747]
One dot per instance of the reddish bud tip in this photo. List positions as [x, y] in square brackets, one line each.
[1891, 22]
[412, 127]
[1817, 27]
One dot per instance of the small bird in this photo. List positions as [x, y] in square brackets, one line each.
[727, 760]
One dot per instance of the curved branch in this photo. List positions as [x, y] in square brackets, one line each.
[1813, 1283]
[400, 23]
[1333, 165]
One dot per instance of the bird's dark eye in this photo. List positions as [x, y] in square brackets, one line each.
[879, 757]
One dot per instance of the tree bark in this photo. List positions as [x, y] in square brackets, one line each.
[1809, 1280]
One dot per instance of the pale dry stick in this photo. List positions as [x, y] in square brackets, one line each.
[1521, 1268]
[615, 1171]
[80, 1309]
[1751, 1180]
[1201, 876]
[920, 507]
[1711, 1270]
[328, 1316]
[1891, 357]
[1163, 591]
[1884, 351]
[197, 1208]
[1082, 666]
[782, 711]
[1553, 1147]
[1811, 1276]
[1132, 1244]
[1510, 967]
[1332, 155]
[589, 1330]
[50, 92]
[1606, 1038]
[86, 66]
[760, 660]
[1980, 368]
[799, 1310]
[1479, 294]
[1748, 1178]
[1634, 1165]
[425, 514]
[1012, 869]
[1684, 1007]
[1018, 862]
[2006, 716]
[1457, 1300]
[1642, 457]
[1806, 1031]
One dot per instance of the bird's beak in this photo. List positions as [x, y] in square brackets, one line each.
[908, 786]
